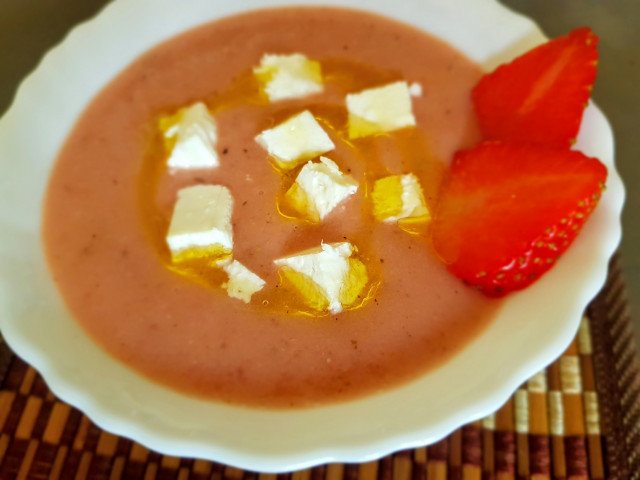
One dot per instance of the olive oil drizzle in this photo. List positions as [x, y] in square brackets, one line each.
[410, 148]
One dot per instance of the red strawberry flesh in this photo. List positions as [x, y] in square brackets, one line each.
[508, 211]
[540, 96]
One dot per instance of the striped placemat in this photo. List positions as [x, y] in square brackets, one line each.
[579, 418]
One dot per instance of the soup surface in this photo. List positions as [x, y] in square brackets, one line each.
[110, 200]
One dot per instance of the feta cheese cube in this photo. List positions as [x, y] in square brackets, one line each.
[190, 137]
[242, 283]
[326, 277]
[397, 197]
[289, 76]
[379, 110]
[201, 223]
[319, 188]
[295, 140]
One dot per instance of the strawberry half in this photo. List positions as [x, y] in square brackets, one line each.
[540, 96]
[508, 211]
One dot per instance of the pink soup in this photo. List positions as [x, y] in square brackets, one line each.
[110, 200]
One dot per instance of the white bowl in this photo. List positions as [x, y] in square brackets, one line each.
[531, 330]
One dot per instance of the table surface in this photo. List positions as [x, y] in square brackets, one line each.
[30, 28]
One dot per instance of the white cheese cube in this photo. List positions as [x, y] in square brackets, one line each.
[242, 283]
[397, 197]
[295, 140]
[191, 136]
[334, 276]
[319, 188]
[201, 223]
[289, 76]
[379, 110]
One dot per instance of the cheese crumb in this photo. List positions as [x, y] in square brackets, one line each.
[201, 223]
[326, 276]
[415, 89]
[319, 188]
[289, 76]
[242, 283]
[379, 110]
[397, 197]
[295, 140]
[190, 136]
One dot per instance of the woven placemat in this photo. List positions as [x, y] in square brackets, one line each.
[579, 418]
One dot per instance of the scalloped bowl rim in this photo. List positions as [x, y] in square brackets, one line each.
[411, 415]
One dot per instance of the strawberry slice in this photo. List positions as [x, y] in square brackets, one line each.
[508, 211]
[540, 96]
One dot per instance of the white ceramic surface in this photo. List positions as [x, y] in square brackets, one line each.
[532, 329]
